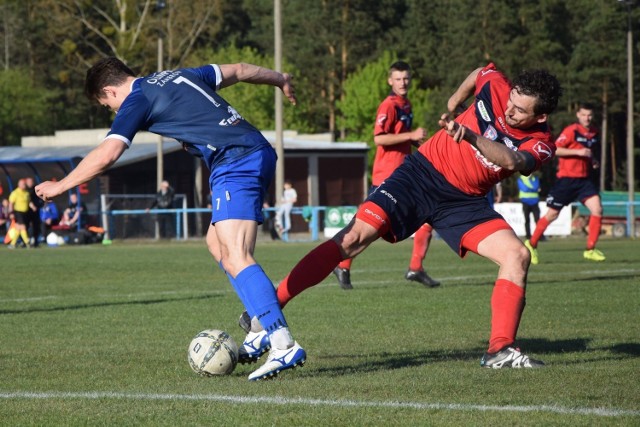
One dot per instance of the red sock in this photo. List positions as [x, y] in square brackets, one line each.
[346, 264]
[541, 226]
[507, 304]
[310, 271]
[420, 246]
[595, 223]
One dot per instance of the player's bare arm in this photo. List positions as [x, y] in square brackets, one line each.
[572, 152]
[499, 154]
[249, 73]
[417, 137]
[464, 91]
[95, 163]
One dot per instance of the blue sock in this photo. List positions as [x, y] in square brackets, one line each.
[239, 292]
[261, 296]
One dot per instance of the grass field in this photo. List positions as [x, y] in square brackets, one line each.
[98, 335]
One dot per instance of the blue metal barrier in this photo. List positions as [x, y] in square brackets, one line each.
[183, 233]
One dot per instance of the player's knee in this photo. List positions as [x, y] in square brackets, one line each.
[522, 257]
[352, 240]
[552, 215]
[596, 211]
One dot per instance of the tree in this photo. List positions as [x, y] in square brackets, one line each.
[24, 107]
[255, 102]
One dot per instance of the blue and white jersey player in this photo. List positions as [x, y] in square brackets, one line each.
[184, 104]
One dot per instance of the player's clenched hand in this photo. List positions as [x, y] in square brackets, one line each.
[288, 89]
[452, 128]
[48, 190]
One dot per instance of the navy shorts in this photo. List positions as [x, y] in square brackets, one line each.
[417, 193]
[567, 190]
[238, 188]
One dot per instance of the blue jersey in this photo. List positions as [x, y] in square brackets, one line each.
[183, 104]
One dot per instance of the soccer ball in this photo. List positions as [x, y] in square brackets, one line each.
[213, 352]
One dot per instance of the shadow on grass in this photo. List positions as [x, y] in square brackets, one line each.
[374, 362]
[105, 304]
[573, 279]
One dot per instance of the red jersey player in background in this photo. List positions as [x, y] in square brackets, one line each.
[444, 184]
[577, 149]
[393, 138]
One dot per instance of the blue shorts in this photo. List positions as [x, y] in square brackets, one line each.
[238, 188]
[567, 190]
[417, 193]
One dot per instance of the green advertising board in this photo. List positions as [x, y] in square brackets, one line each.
[336, 218]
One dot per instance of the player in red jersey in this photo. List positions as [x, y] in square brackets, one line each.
[504, 131]
[577, 147]
[393, 138]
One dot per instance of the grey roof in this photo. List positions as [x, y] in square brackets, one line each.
[143, 151]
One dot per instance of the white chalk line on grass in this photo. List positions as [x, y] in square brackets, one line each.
[473, 277]
[603, 412]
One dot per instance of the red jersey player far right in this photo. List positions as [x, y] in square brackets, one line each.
[577, 149]
[503, 131]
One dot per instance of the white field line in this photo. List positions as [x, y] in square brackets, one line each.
[602, 412]
[330, 278]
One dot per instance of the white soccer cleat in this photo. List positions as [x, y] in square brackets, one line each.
[255, 345]
[278, 361]
[509, 357]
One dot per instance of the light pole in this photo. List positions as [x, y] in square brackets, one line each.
[630, 147]
[160, 5]
[277, 20]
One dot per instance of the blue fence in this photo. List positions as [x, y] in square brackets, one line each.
[182, 226]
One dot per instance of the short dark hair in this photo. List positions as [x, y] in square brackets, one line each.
[106, 72]
[586, 106]
[542, 85]
[399, 66]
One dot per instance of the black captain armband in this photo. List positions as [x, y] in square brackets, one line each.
[529, 162]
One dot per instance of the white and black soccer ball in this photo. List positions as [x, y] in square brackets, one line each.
[213, 352]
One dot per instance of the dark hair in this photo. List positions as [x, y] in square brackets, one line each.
[399, 66]
[586, 106]
[541, 85]
[106, 72]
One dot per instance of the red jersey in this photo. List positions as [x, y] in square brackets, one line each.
[576, 136]
[394, 116]
[462, 164]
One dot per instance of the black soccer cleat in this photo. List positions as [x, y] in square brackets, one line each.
[509, 357]
[344, 277]
[421, 277]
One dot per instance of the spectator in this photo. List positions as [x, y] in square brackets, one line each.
[164, 200]
[19, 207]
[283, 216]
[33, 217]
[5, 219]
[49, 217]
[76, 213]
[529, 194]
